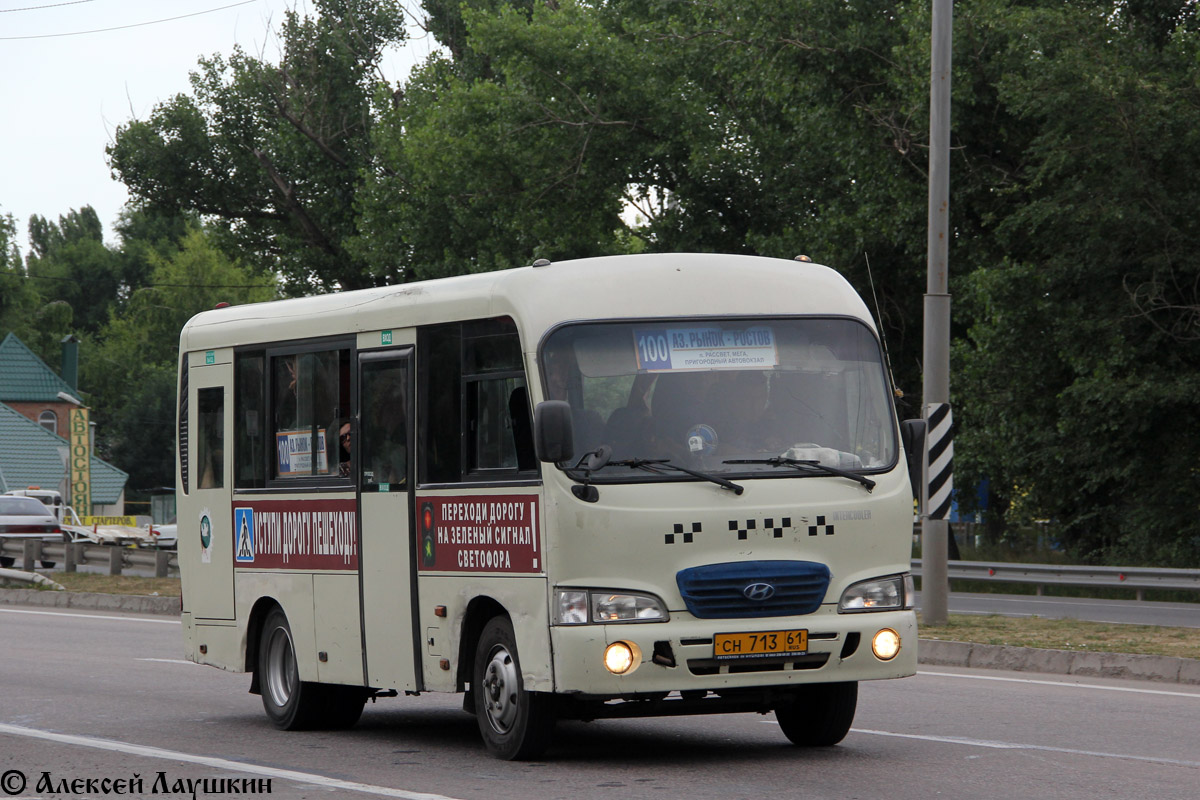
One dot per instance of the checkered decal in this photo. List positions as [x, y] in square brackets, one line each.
[687, 537]
[743, 528]
[820, 527]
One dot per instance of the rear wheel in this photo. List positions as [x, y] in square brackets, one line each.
[293, 704]
[515, 724]
[819, 715]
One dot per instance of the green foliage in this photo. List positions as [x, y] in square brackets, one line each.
[71, 266]
[273, 153]
[17, 299]
[1080, 373]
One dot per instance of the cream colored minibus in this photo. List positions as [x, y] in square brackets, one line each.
[613, 487]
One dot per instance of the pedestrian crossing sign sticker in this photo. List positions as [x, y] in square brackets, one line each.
[243, 523]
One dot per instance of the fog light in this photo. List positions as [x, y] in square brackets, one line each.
[621, 658]
[886, 644]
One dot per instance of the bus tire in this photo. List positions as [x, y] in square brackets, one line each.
[293, 704]
[819, 715]
[515, 724]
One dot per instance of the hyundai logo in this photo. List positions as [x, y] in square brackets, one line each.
[759, 592]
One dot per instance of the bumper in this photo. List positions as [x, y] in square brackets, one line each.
[839, 649]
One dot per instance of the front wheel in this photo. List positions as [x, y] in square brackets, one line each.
[293, 704]
[819, 715]
[515, 724]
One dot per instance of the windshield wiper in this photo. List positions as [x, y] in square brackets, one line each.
[806, 465]
[657, 465]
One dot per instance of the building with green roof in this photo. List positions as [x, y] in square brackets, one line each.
[34, 401]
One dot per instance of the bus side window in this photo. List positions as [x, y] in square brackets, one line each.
[474, 403]
[249, 422]
[384, 400]
[210, 431]
[310, 394]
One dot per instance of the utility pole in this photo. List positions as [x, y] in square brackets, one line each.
[935, 508]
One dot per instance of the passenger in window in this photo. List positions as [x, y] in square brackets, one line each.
[344, 449]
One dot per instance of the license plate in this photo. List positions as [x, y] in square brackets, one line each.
[760, 645]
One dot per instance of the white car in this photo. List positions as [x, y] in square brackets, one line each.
[26, 518]
[164, 535]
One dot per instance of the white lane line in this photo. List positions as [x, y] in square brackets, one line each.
[78, 615]
[216, 763]
[1062, 684]
[962, 740]
[169, 661]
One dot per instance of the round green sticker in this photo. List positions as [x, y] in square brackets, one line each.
[205, 531]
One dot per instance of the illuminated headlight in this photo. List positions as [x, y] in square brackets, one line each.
[572, 607]
[879, 594]
[621, 658]
[885, 644]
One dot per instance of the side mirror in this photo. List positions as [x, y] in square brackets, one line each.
[553, 431]
[912, 433]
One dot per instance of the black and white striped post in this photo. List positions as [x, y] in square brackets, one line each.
[935, 530]
[939, 426]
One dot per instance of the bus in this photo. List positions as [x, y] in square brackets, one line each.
[615, 487]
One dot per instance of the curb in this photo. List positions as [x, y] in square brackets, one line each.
[1162, 669]
[91, 601]
[936, 652]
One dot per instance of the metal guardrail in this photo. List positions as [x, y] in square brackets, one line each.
[1042, 575]
[28, 554]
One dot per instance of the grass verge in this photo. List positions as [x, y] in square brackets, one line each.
[1068, 634]
[116, 584]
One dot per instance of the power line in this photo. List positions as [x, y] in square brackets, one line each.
[38, 8]
[124, 27]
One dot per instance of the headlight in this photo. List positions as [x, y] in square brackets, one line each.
[572, 607]
[879, 594]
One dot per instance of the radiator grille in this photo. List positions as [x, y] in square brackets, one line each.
[719, 591]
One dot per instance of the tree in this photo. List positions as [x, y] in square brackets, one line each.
[1080, 404]
[273, 154]
[72, 267]
[17, 297]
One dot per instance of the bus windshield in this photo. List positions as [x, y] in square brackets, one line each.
[728, 396]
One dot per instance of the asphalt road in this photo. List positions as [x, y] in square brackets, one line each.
[94, 696]
[1139, 612]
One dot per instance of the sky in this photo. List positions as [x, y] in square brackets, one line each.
[63, 93]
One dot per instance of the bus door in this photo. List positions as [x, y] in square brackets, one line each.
[385, 514]
[207, 540]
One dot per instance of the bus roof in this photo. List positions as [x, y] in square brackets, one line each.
[539, 298]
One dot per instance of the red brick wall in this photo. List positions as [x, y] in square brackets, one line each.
[34, 410]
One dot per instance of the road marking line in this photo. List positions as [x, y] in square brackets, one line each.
[1017, 746]
[79, 615]
[217, 763]
[169, 661]
[1192, 695]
